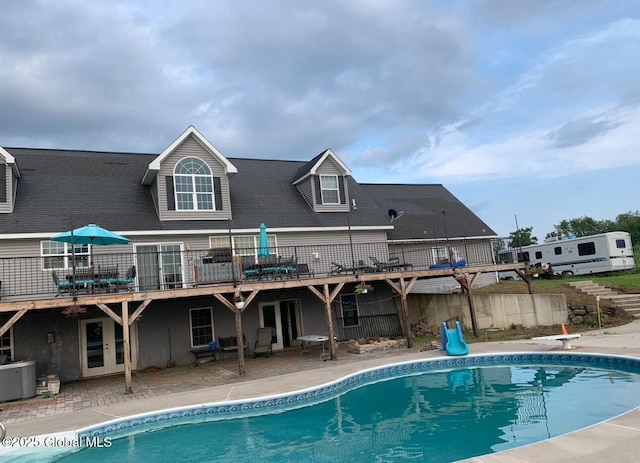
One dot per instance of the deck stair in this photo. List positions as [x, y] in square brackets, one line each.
[629, 302]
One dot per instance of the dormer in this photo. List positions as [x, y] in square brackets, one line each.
[323, 183]
[190, 180]
[9, 175]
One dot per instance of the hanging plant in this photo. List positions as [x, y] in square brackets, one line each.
[74, 310]
[239, 300]
[461, 278]
[363, 288]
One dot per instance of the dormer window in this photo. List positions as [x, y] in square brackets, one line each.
[329, 189]
[193, 185]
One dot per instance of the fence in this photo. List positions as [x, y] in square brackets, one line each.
[171, 267]
[369, 326]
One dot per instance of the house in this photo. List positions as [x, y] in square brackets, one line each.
[193, 219]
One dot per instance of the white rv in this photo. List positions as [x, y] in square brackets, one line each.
[605, 252]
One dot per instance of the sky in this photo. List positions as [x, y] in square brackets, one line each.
[523, 109]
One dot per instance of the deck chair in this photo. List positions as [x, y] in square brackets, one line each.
[61, 287]
[338, 268]
[129, 279]
[263, 343]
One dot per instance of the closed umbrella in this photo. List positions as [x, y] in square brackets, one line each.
[263, 247]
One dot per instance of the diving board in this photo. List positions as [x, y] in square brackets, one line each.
[564, 338]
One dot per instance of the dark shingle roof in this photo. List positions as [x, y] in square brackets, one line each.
[422, 209]
[62, 189]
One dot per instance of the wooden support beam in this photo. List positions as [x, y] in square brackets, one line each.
[327, 306]
[472, 310]
[128, 389]
[526, 278]
[116, 318]
[240, 341]
[139, 310]
[403, 290]
[238, 318]
[327, 298]
[12, 321]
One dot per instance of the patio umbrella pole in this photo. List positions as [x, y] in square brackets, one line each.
[73, 267]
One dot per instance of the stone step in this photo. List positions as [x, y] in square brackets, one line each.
[602, 292]
[625, 298]
[630, 303]
[577, 284]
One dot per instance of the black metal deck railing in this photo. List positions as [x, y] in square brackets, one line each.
[105, 271]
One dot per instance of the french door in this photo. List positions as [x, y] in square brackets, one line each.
[283, 317]
[102, 347]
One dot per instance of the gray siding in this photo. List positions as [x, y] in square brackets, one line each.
[306, 190]
[191, 147]
[329, 167]
[6, 206]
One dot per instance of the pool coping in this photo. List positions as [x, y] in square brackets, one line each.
[104, 432]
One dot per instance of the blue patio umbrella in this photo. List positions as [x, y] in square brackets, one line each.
[90, 234]
[263, 247]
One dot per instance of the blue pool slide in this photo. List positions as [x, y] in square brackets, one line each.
[453, 340]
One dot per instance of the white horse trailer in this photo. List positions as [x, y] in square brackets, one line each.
[605, 252]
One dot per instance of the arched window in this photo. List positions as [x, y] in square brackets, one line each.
[194, 185]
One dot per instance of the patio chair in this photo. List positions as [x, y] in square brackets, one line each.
[128, 281]
[61, 287]
[263, 343]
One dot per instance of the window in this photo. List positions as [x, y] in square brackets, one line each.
[5, 343]
[349, 303]
[620, 244]
[523, 257]
[557, 250]
[219, 242]
[440, 256]
[538, 254]
[201, 326]
[248, 246]
[587, 249]
[329, 189]
[193, 185]
[58, 255]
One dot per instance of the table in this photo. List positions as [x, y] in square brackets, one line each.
[315, 338]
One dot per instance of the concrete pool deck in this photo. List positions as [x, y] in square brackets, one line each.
[97, 400]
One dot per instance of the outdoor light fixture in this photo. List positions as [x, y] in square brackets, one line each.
[238, 300]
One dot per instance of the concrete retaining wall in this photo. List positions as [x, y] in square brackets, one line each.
[492, 310]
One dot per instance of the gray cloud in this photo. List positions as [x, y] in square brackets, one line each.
[265, 79]
[579, 132]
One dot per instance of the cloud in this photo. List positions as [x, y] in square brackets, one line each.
[579, 131]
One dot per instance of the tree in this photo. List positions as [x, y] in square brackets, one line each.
[522, 237]
[583, 226]
[630, 222]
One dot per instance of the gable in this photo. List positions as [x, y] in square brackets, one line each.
[192, 149]
[309, 183]
[191, 132]
[9, 174]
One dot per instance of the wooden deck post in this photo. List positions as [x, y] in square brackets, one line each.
[240, 342]
[405, 313]
[332, 339]
[127, 347]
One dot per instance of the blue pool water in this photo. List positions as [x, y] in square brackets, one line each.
[434, 416]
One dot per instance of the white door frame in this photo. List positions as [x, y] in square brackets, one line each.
[278, 345]
[110, 365]
[158, 273]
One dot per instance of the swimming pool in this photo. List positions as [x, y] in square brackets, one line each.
[413, 411]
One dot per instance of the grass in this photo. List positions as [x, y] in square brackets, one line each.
[628, 282]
